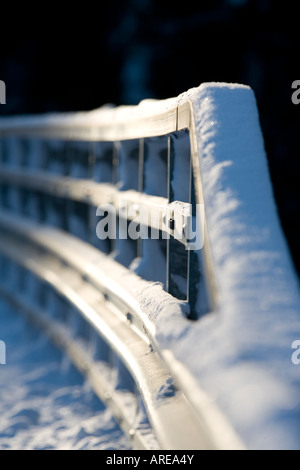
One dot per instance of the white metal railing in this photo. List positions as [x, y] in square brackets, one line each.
[58, 173]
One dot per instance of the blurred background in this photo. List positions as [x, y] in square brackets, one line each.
[128, 50]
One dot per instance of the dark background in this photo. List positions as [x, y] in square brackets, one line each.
[125, 51]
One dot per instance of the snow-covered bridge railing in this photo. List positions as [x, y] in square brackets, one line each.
[117, 229]
[136, 175]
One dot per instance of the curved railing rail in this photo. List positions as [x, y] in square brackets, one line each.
[72, 186]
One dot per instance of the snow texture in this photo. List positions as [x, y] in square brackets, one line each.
[44, 402]
[241, 353]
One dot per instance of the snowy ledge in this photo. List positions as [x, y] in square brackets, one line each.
[241, 354]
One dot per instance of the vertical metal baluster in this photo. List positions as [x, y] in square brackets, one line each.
[189, 251]
[141, 164]
[68, 204]
[141, 185]
[92, 211]
[115, 156]
[170, 169]
[192, 273]
[115, 176]
[91, 208]
[91, 161]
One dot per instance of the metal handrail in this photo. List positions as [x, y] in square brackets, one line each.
[112, 125]
[120, 125]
